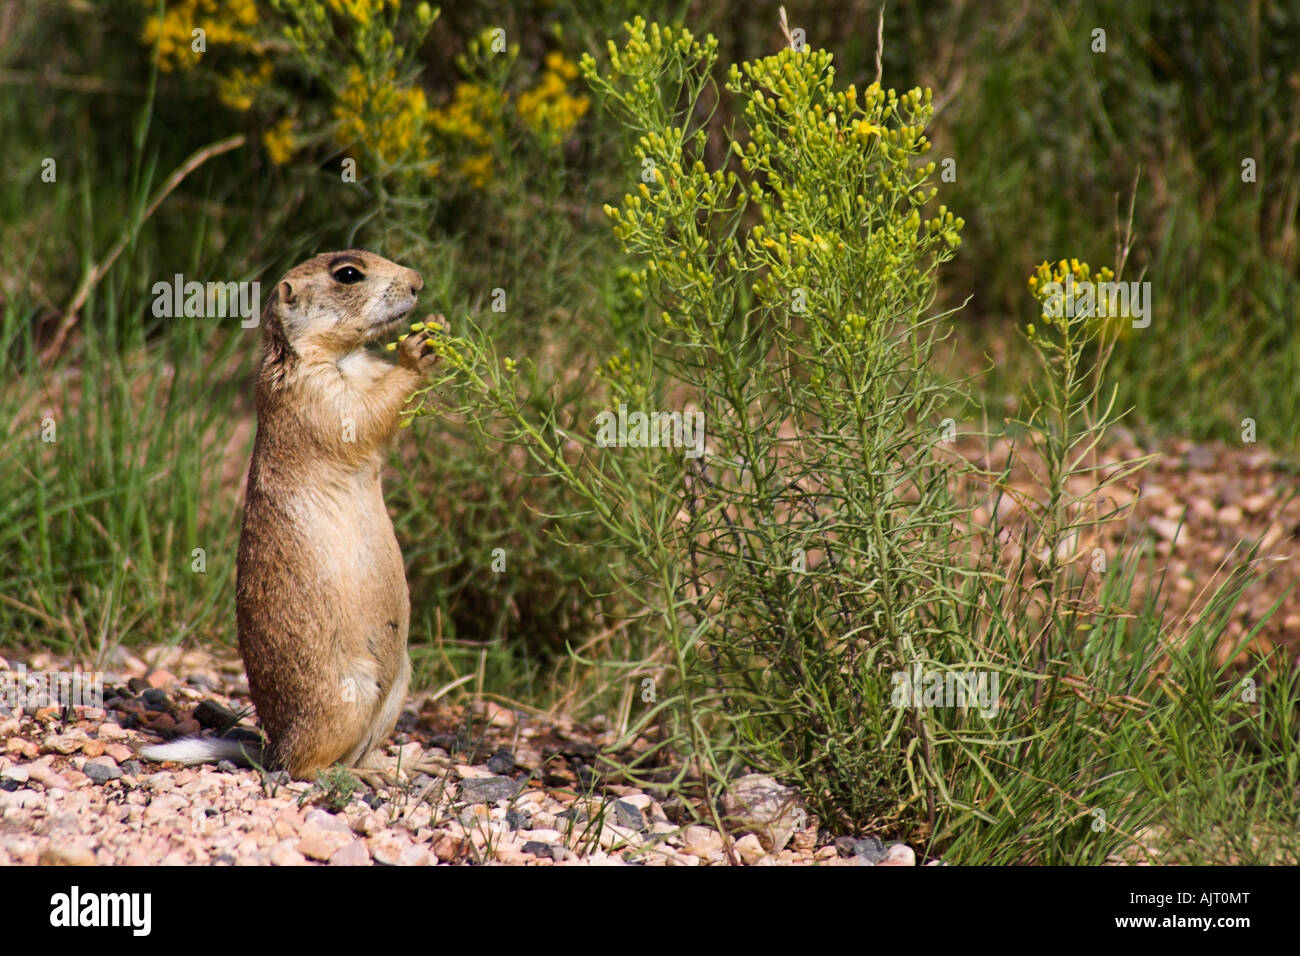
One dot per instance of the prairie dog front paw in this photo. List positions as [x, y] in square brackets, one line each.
[413, 353]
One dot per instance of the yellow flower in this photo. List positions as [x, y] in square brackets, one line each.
[225, 23]
[548, 109]
[477, 170]
[237, 89]
[390, 121]
[278, 141]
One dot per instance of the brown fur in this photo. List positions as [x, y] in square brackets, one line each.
[321, 595]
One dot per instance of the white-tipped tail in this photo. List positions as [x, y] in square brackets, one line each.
[189, 750]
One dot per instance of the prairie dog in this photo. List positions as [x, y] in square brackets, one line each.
[321, 596]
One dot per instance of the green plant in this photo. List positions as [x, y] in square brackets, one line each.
[334, 788]
[789, 564]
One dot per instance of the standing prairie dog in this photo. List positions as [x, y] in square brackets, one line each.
[321, 595]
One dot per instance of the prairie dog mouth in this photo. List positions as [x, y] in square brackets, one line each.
[396, 318]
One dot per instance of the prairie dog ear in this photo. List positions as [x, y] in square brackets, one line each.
[278, 320]
[287, 305]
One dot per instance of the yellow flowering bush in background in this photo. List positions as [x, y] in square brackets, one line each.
[279, 141]
[365, 55]
[548, 109]
[472, 121]
[234, 33]
[230, 24]
[388, 120]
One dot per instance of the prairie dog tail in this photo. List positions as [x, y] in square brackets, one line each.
[190, 750]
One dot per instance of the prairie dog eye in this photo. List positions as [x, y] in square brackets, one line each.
[348, 275]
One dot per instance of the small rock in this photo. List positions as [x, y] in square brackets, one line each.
[102, 769]
[131, 768]
[518, 819]
[415, 855]
[155, 699]
[701, 841]
[283, 854]
[537, 849]
[48, 778]
[160, 678]
[628, 815]
[388, 846]
[63, 743]
[93, 748]
[1164, 527]
[327, 821]
[18, 774]
[1254, 504]
[503, 761]
[900, 854]
[353, 854]
[871, 850]
[109, 731]
[642, 801]
[749, 849]
[448, 848]
[1229, 515]
[759, 804]
[845, 844]
[212, 715]
[322, 844]
[540, 836]
[499, 716]
[488, 790]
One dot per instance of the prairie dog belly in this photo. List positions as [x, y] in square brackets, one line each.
[358, 562]
[324, 678]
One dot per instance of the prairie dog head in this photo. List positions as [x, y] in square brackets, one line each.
[338, 302]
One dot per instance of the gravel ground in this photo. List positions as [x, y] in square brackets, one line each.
[73, 792]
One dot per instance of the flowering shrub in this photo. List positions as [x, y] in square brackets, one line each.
[472, 124]
[801, 548]
[231, 25]
[365, 54]
[548, 109]
[1046, 284]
